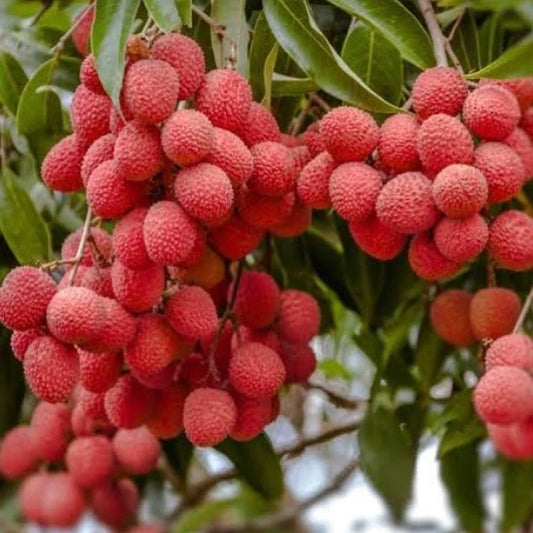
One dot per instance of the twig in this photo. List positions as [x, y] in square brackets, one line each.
[218, 28]
[315, 98]
[299, 120]
[81, 247]
[491, 272]
[44, 8]
[57, 262]
[453, 56]
[523, 313]
[438, 39]
[456, 25]
[286, 515]
[525, 202]
[407, 104]
[58, 47]
[338, 399]
[169, 474]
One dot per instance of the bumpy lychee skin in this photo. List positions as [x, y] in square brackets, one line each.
[354, 189]
[301, 156]
[138, 151]
[521, 88]
[450, 317]
[460, 191]
[426, 260]
[197, 251]
[137, 290]
[263, 212]
[313, 181]
[154, 347]
[99, 371]
[350, 134]
[207, 273]
[295, 223]
[115, 503]
[442, 140]
[151, 90]
[192, 313]
[208, 416]
[439, 90]
[522, 144]
[166, 421]
[90, 460]
[187, 137]
[257, 300]
[89, 76]
[259, 126]
[493, 312]
[128, 240]
[504, 395]
[128, 404]
[21, 340]
[511, 240]
[406, 205]
[230, 154]
[397, 143]
[82, 31]
[253, 414]
[109, 194]
[61, 168]
[225, 98]
[515, 349]
[90, 115]
[18, 456]
[187, 59]
[274, 171]
[51, 369]
[461, 240]
[256, 371]
[137, 450]
[235, 238]
[299, 361]
[75, 315]
[100, 150]
[98, 245]
[314, 140]
[526, 123]
[95, 278]
[299, 316]
[491, 112]
[24, 296]
[50, 423]
[502, 168]
[63, 502]
[169, 233]
[376, 239]
[30, 497]
[205, 193]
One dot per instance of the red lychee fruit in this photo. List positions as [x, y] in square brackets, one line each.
[90, 115]
[235, 239]
[99, 371]
[18, 454]
[439, 90]
[100, 150]
[515, 349]
[50, 423]
[406, 205]
[314, 140]
[299, 361]
[115, 503]
[493, 312]
[82, 31]
[137, 450]
[511, 240]
[166, 421]
[263, 212]
[491, 112]
[21, 340]
[30, 497]
[253, 414]
[187, 59]
[89, 76]
[522, 144]
[397, 143]
[61, 168]
[350, 134]
[24, 296]
[299, 316]
[63, 502]
[450, 317]
[295, 223]
[90, 460]
[376, 239]
[128, 240]
[208, 416]
[313, 182]
[460, 191]
[259, 126]
[98, 246]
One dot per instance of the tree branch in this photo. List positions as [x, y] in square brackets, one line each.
[438, 39]
[81, 247]
[43, 9]
[525, 309]
[334, 397]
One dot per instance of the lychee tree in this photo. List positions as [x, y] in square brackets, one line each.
[213, 214]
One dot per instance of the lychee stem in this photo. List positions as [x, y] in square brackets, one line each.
[58, 47]
[523, 313]
[438, 39]
[81, 247]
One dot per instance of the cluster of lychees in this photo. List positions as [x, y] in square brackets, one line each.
[433, 175]
[144, 335]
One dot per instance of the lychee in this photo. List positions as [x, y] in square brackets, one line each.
[99, 371]
[299, 316]
[30, 497]
[82, 30]
[137, 450]
[115, 503]
[63, 502]
[128, 240]
[522, 144]
[253, 414]
[100, 150]
[90, 115]
[18, 455]
[235, 239]
[166, 421]
[61, 167]
[299, 361]
[397, 143]
[376, 239]
[263, 212]
[313, 181]
[515, 349]
[50, 423]
[90, 460]
[89, 76]
[259, 126]
[21, 340]
[295, 223]
[98, 246]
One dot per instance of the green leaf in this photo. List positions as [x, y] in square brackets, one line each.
[513, 63]
[111, 28]
[195, 519]
[165, 14]
[289, 86]
[397, 24]
[388, 459]
[334, 369]
[185, 11]
[490, 39]
[12, 82]
[517, 492]
[396, 332]
[460, 433]
[260, 46]
[292, 23]
[23, 229]
[429, 354]
[179, 453]
[268, 72]
[460, 473]
[375, 60]
[257, 463]
[231, 14]
[465, 43]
